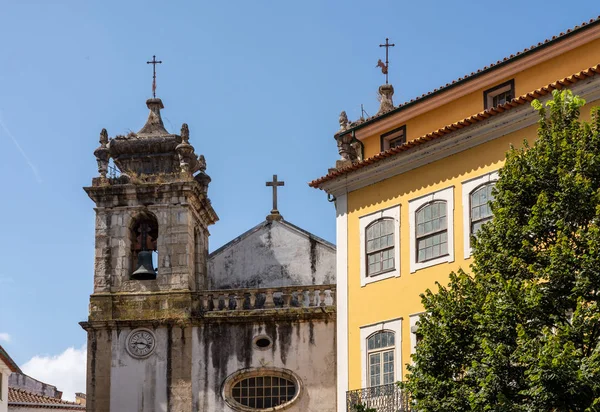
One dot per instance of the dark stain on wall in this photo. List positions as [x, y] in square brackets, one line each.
[284, 336]
[311, 332]
[203, 340]
[92, 372]
[244, 345]
[269, 244]
[222, 343]
[313, 258]
[271, 331]
[169, 365]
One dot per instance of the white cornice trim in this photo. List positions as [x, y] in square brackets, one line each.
[480, 82]
[455, 142]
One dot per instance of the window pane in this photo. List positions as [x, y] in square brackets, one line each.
[480, 206]
[443, 249]
[376, 229]
[428, 227]
[380, 249]
[380, 340]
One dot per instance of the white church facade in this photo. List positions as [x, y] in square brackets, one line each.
[250, 327]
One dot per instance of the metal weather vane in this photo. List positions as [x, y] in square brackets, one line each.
[386, 65]
[154, 62]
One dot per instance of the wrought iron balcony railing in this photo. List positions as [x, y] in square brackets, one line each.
[384, 398]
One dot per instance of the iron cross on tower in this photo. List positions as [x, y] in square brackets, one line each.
[154, 62]
[384, 69]
[275, 213]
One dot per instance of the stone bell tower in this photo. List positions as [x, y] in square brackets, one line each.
[152, 218]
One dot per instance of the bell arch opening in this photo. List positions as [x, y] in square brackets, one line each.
[144, 250]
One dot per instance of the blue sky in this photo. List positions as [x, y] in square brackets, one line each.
[261, 85]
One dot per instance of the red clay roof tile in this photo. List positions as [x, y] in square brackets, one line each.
[19, 397]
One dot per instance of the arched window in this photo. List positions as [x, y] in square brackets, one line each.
[380, 357]
[481, 212]
[144, 251]
[432, 231]
[380, 246]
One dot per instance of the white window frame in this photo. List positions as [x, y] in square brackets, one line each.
[392, 135]
[392, 325]
[468, 186]
[497, 90]
[446, 195]
[364, 221]
[379, 352]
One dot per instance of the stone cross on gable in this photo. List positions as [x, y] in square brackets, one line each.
[275, 215]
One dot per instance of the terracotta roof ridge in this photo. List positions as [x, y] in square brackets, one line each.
[460, 124]
[466, 77]
[32, 397]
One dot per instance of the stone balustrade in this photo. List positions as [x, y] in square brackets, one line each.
[268, 298]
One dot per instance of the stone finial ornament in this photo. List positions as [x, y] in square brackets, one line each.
[343, 120]
[358, 150]
[386, 102]
[201, 163]
[202, 177]
[185, 133]
[345, 148]
[185, 151]
[102, 154]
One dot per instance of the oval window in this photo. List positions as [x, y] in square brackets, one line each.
[261, 389]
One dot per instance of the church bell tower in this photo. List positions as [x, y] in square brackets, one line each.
[151, 246]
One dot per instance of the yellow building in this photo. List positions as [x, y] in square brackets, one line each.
[413, 185]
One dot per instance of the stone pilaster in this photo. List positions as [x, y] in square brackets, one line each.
[179, 369]
[99, 351]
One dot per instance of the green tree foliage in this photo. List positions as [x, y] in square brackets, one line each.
[522, 331]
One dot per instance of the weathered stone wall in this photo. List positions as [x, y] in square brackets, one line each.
[273, 254]
[190, 364]
[183, 214]
[114, 263]
[306, 348]
[22, 381]
[4, 374]
[139, 385]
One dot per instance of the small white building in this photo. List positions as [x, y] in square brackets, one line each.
[7, 366]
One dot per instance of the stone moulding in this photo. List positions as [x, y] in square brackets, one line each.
[157, 307]
[176, 192]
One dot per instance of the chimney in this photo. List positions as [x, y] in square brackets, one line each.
[80, 398]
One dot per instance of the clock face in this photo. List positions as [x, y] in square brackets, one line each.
[140, 343]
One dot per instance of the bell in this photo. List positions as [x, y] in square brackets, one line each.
[145, 270]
